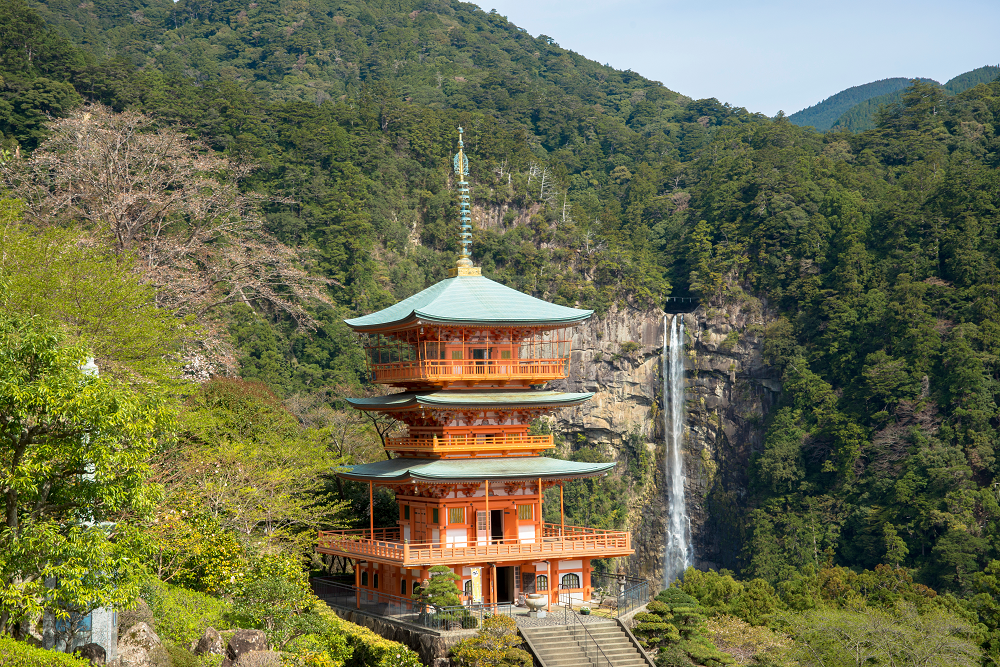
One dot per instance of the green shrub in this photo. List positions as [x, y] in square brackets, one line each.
[361, 647]
[182, 615]
[18, 654]
[181, 657]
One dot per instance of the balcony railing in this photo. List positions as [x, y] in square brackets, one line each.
[555, 542]
[457, 370]
[450, 444]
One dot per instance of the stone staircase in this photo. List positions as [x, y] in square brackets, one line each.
[565, 646]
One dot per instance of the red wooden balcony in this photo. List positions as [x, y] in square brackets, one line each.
[458, 444]
[556, 541]
[447, 371]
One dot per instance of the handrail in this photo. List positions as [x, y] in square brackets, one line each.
[607, 661]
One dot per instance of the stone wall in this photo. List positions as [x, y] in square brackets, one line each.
[730, 393]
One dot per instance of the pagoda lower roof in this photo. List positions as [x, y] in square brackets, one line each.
[405, 470]
[470, 399]
[470, 300]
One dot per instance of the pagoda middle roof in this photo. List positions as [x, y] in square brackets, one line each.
[470, 399]
[470, 300]
[473, 469]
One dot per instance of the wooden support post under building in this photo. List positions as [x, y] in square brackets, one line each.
[562, 514]
[357, 583]
[493, 585]
[371, 511]
[489, 519]
[541, 519]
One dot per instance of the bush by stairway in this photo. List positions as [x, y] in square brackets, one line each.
[19, 654]
[674, 626]
[496, 644]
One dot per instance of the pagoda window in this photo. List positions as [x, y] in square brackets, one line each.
[505, 354]
[435, 517]
[542, 582]
[456, 354]
[375, 578]
[524, 512]
[402, 586]
[406, 512]
[364, 578]
[456, 515]
[568, 580]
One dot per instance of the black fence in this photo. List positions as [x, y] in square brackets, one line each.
[461, 617]
[619, 593]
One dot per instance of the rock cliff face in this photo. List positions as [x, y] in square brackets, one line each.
[730, 391]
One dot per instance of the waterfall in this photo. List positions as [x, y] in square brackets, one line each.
[678, 554]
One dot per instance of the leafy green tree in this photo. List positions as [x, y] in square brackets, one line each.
[94, 295]
[247, 462]
[74, 459]
[440, 590]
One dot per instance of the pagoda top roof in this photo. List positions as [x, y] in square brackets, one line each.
[470, 399]
[470, 300]
[473, 470]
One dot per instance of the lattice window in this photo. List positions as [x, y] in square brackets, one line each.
[542, 582]
[571, 581]
[524, 512]
[481, 523]
[456, 515]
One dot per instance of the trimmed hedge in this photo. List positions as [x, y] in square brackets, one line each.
[18, 654]
[367, 649]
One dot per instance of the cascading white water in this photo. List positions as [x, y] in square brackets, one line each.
[678, 554]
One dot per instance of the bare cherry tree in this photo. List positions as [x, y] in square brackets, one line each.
[173, 203]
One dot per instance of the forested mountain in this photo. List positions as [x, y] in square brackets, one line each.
[879, 250]
[855, 109]
[824, 115]
[863, 115]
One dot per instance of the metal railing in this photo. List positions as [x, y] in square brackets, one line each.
[627, 593]
[406, 610]
[596, 656]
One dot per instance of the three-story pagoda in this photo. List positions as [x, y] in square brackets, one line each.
[472, 357]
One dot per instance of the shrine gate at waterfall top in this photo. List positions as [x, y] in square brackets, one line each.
[472, 358]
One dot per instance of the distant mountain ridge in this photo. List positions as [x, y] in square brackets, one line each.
[824, 115]
[856, 108]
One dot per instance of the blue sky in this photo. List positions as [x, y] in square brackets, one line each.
[767, 55]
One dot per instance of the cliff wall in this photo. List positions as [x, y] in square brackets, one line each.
[730, 392]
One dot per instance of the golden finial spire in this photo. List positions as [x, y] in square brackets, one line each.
[465, 267]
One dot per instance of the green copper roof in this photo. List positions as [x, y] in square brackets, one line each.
[463, 399]
[471, 300]
[476, 469]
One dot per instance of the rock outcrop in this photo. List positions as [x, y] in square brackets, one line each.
[241, 643]
[141, 647]
[730, 391]
[210, 643]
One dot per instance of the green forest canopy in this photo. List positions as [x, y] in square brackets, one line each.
[595, 186]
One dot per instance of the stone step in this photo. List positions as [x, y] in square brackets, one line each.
[566, 646]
